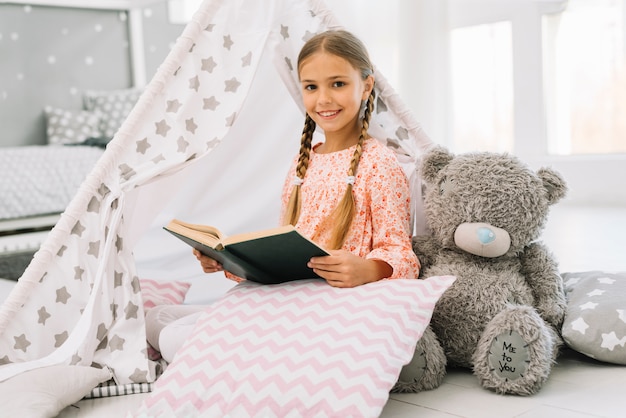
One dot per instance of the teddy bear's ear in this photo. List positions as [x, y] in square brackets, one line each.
[554, 183]
[433, 161]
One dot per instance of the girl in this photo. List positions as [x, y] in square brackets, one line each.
[348, 193]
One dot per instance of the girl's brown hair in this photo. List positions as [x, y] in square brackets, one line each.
[345, 45]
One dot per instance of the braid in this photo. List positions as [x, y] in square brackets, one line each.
[344, 213]
[292, 213]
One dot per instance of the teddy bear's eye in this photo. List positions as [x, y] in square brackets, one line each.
[445, 185]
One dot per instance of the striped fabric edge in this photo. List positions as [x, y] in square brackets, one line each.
[106, 391]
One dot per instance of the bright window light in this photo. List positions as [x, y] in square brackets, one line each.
[585, 78]
[181, 11]
[482, 88]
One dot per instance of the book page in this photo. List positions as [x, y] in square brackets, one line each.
[206, 234]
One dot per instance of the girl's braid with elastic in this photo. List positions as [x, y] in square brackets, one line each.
[292, 212]
[344, 213]
[305, 146]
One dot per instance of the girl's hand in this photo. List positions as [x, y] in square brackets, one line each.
[343, 269]
[208, 264]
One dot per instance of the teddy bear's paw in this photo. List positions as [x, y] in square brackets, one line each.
[427, 368]
[515, 353]
[508, 356]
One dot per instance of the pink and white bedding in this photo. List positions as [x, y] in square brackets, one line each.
[40, 180]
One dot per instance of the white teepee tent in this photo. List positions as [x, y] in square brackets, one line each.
[210, 140]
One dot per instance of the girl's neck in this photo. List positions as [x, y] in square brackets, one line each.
[335, 143]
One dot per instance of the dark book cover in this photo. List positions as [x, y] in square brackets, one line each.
[269, 260]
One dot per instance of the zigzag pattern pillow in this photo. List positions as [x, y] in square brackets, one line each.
[297, 349]
[156, 292]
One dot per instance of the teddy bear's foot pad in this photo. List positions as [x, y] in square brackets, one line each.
[515, 353]
[508, 356]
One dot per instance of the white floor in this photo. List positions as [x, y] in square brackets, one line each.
[582, 239]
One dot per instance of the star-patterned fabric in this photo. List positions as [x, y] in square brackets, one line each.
[79, 302]
[595, 320]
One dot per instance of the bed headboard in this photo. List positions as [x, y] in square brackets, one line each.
[57, 50]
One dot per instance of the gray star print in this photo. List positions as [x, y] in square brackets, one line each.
[117, 343]
[43, 315]
[245, 61]
[182, 144]
[136, 285]
[102, 332]
[162, 127]
[117, 279]
[232, 85]
[78, 273]
[173, 106]
[139, 376]
[94, 205]
[208, 64]
[228, 42]
[78, 229]
[94, 248]
[194, 83]
[191, 126]
[62, 295]
[119, 243]
[284, 31]
[231, 119]
[143, 145]
[21, 343]
[60, 339]
[210, 103]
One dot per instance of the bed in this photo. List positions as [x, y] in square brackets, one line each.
[37, 182]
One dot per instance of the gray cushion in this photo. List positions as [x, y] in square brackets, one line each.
[595, 320]
[113, 107]
[70, 126]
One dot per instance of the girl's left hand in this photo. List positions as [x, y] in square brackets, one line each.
[343, 269]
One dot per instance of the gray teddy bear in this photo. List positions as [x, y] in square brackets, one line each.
[502, 316]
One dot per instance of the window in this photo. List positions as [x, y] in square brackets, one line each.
[585, 76]
[181, 11]
[482, 87]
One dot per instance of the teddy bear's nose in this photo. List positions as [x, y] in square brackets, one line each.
[482, 239]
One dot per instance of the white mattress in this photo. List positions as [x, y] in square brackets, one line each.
[36, 180]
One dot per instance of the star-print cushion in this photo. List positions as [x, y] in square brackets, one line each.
[70, 126]
[113, 106]
[297, 349]
[595, 320]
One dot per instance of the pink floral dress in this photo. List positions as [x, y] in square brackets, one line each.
[381, 227]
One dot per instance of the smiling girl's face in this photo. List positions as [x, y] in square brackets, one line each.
[333, 91]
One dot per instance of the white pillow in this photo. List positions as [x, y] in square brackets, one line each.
[300, 348]
[44, 392]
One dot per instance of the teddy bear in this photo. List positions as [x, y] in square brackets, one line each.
[501, 317]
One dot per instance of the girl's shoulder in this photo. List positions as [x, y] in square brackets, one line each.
[375, 150]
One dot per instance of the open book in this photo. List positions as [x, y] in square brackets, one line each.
[270, 256]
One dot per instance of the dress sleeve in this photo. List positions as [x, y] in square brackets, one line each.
[391, 218]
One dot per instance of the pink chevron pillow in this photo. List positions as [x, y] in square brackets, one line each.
[156, 292]
[301, 348]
